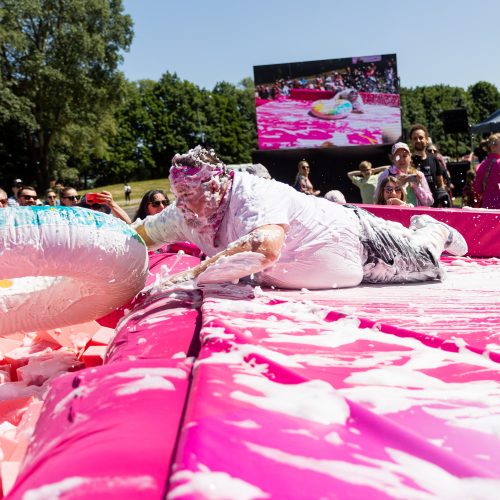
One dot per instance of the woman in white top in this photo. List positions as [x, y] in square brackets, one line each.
[247, 225]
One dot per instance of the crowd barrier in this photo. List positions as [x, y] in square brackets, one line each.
[480, 228]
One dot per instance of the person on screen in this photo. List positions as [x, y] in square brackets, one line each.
[353, 96]
[246, 225]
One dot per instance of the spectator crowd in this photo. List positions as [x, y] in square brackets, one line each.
[362, 77]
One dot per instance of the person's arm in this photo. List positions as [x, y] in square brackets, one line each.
[106, 198]
[141, 231]
[265, 240]
[353, 173]
[162, 228]
[422, 190]
[377, 170]
[439, 181]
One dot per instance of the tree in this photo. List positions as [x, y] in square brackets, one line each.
[59, 79]
[230, 116]
[486, 98]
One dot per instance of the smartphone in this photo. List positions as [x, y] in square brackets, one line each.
[91, 198]
[412, 178]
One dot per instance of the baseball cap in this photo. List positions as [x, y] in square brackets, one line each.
[400, 145]
[17, 181]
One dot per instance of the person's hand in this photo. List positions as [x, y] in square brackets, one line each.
[316, 193]
[395, 201]
[105, 198]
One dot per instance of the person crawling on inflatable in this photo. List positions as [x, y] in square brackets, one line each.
[339, 106]
[252, 226]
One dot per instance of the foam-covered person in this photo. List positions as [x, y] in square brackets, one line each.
[252, 226]
[4, 199]
[104, 202]
[353, 96]
[413, 181]
[366, 179]
[69, 197]
[153, 202]
[27, 197]
[302, 182]
[392, 193]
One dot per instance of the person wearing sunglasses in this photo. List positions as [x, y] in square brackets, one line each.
[392, 193]
[51, 198]
[69, 197]
[27, 197]
[413, 181]
[153, 202]
[4, 199]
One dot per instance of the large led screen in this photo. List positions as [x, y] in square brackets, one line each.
[335, 102]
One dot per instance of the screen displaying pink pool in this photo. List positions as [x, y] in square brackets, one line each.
[334, 102]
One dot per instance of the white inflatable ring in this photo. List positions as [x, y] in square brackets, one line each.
[330, 109]
[61, 266]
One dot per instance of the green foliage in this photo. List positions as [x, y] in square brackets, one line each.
[425, 105]
[67, 112]
[159, 119]
[59, 77]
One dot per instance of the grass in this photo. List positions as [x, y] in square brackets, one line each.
[138, 190]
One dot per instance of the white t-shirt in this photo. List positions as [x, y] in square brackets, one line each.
[311, 223]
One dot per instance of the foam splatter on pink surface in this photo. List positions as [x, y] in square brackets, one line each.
[371, 392]
[299, 400]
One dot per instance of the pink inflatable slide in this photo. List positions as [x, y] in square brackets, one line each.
[235, 391]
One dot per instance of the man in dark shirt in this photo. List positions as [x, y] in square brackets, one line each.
[428, 165]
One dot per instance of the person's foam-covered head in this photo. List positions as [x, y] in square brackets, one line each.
[353, 95]
[198, 180]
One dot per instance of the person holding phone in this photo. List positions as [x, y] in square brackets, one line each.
[104, 202]
[414, 183]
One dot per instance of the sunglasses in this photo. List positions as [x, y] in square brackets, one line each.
[29, 197]
[52, 196]
[72, 198]
[390, 189]
[4, 201]
[157, 203]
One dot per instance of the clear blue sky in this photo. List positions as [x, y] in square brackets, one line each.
[453, 42]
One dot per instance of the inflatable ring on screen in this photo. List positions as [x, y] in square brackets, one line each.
[61, 266]
[331, 109]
